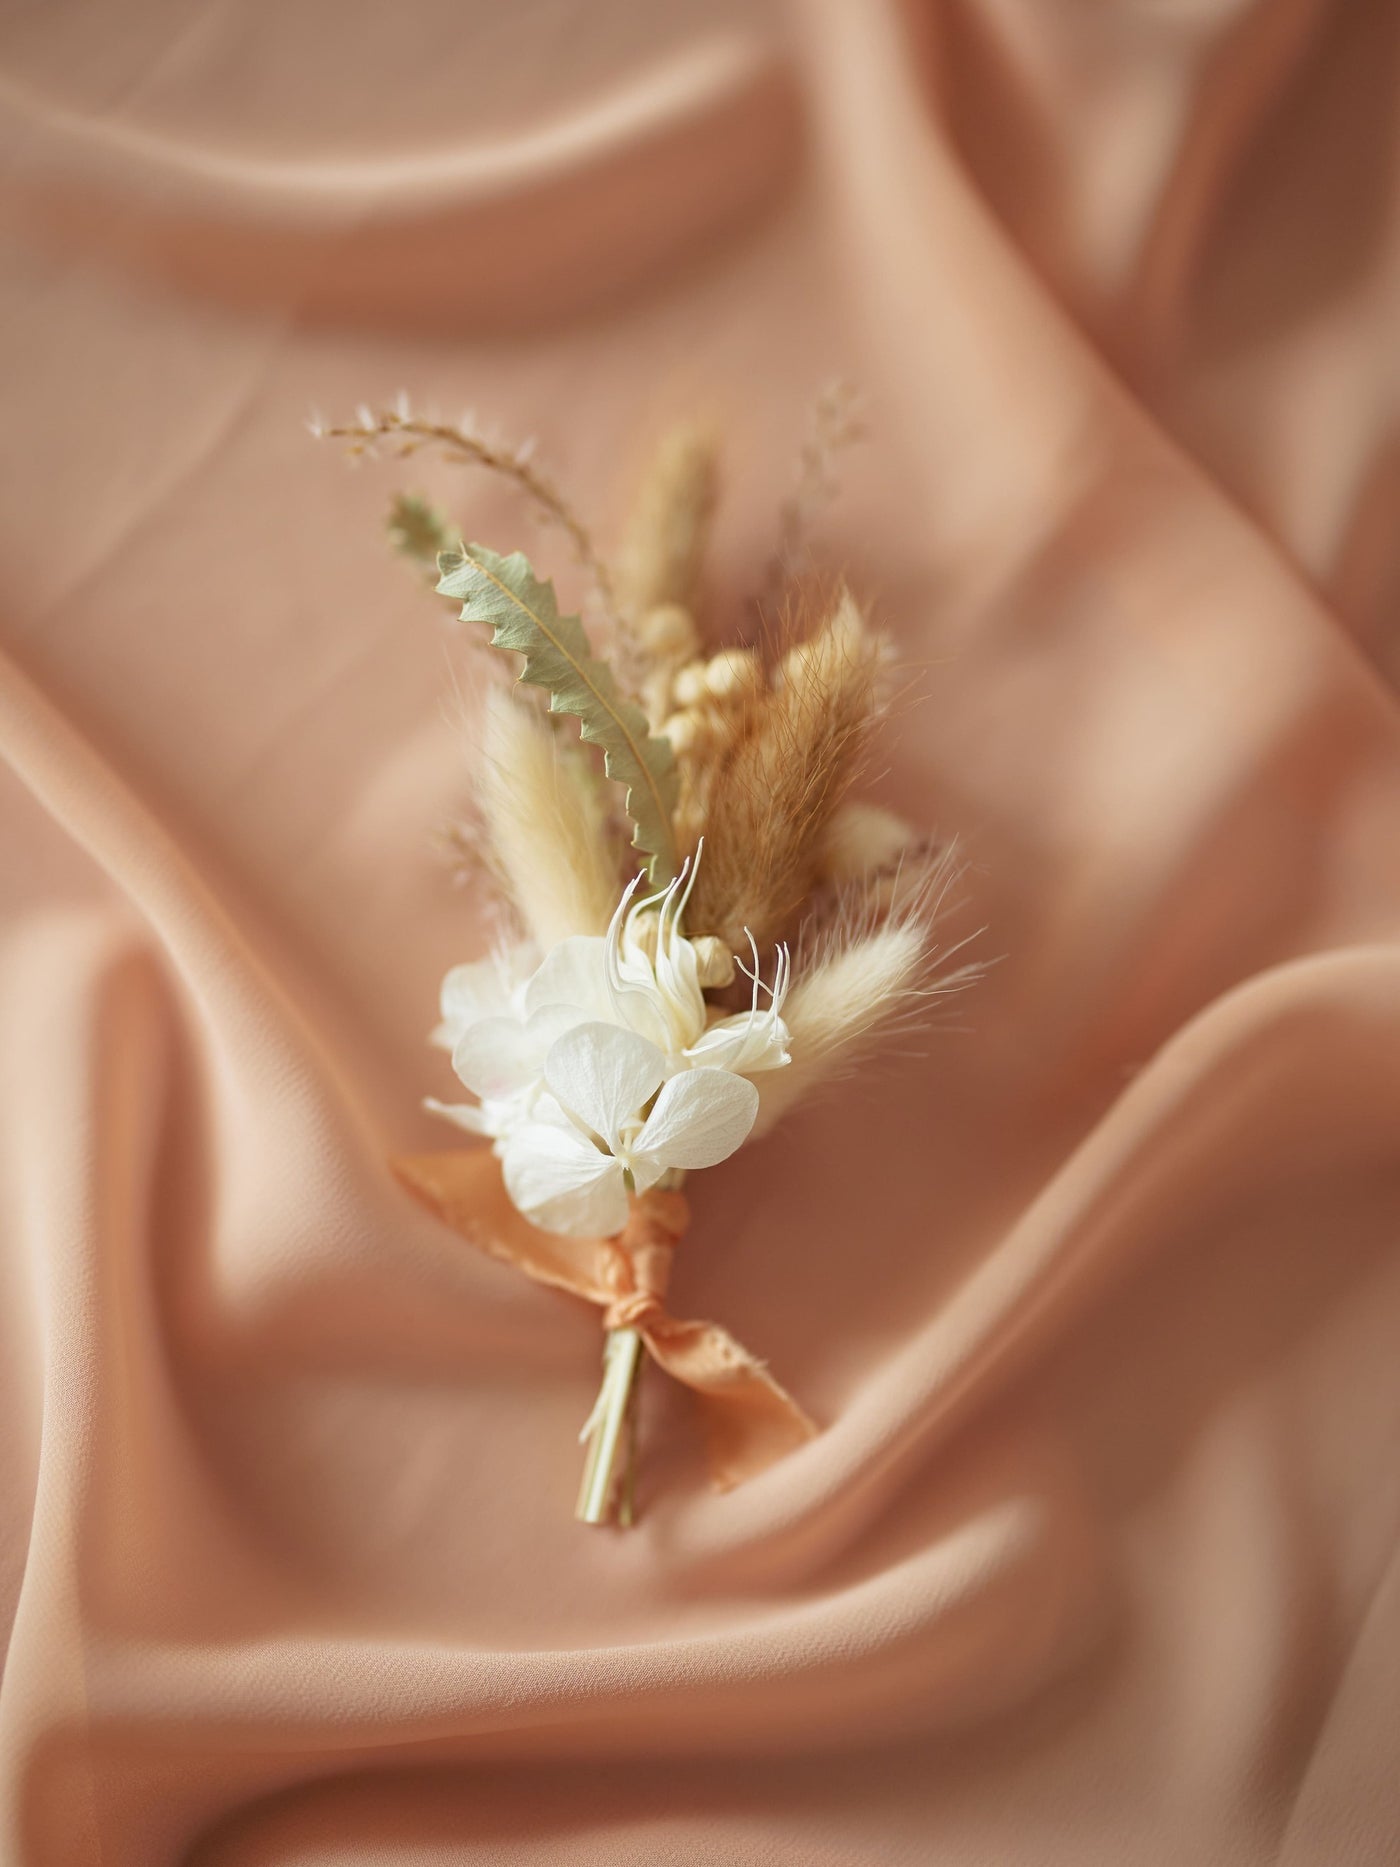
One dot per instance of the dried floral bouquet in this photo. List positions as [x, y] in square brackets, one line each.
[702, 942]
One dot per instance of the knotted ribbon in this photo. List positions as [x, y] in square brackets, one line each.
[750, 1421]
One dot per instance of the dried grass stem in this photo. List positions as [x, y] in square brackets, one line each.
[376, 428]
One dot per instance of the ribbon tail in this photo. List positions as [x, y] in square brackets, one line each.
[750, 1421]
[463, 1187]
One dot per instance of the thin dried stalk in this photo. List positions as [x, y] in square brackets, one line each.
[546, 823]
[765, 785]
[834, 423]
[400, 431]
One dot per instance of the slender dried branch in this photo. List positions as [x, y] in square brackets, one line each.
[399, 432]
[835, 422]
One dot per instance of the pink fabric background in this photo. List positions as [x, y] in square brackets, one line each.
[1099, 1300]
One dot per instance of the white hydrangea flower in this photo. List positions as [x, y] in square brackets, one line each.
[472, 994]
[572, 1175]
[483, 988]
[604, 1067]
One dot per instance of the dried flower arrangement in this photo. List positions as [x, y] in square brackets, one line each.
[690, 965]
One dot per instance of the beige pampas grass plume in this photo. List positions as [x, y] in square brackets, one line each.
[663, 559]
[663, 552]
[776, 770]
[546, 824]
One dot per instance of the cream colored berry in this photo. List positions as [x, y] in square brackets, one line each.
[683, 730]
[714, 961]
[668, 633]
[690, 687]
[863, 839]
[733, 672]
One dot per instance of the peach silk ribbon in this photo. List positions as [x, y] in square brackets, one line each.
[750, 1421]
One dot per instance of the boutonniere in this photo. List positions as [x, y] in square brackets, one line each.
[709, 923]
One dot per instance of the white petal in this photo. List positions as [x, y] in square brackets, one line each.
[641, 1007]
[543, 1108]
[502, 1057]
[563, 1183]
[467, 993]
[678, 976]
[493, 1057]
[604, 1075]
[699, 1119]
[461, 1114]
[645, 1171]
[482, 987]
[636, 1001]
[573, 973]
[545, 1026]
[749, 1041]
[466, 988]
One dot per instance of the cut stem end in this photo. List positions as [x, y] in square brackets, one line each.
[609, 1428]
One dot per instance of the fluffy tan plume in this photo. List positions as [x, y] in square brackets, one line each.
[775, 770]
[662, 561]
[663, 553]
[546, 824]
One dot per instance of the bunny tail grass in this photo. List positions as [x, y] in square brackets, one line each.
[867, 976]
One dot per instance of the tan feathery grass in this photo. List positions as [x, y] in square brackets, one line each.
[663, 552]
[661, 564]
[546, 824]
[774, 771]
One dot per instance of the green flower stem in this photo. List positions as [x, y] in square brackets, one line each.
[627, 1501]
[622, 1357]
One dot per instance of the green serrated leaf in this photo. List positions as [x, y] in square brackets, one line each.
[419, 531]
[524, 617]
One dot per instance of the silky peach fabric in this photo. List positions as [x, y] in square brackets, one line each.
[1096, 1297]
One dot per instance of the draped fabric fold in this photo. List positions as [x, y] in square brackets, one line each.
[750, 1421]
[1094, 1290]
